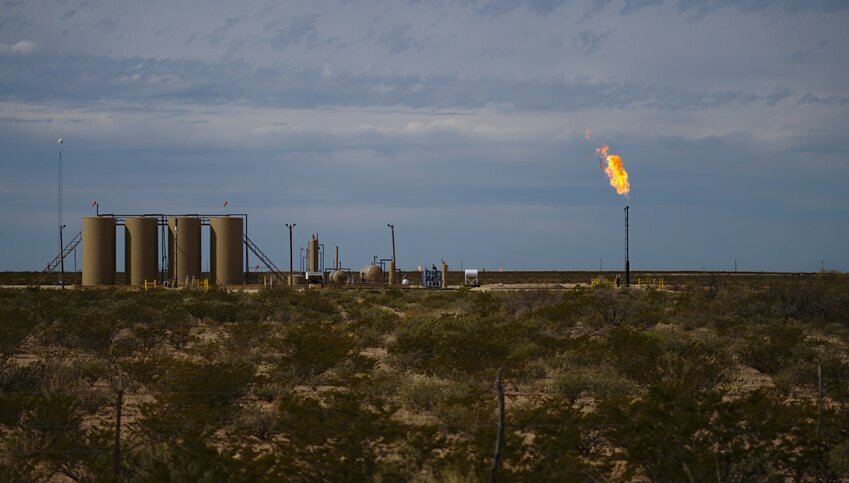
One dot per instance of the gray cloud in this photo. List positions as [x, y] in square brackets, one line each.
[590, 41]
[299, 30]
[812, 99]
[633, 6]
[398, 40]
[503, 7]
[106, 25]
[68, 78]
[220, 33]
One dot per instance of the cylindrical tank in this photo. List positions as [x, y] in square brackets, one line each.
[140, 250]
[338, 276]
[371, 273]
[184, 249]
[313, 260]
[392, 272]
[98, 251]
[225, 250]
[444, 275]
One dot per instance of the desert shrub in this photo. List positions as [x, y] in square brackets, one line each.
[522, 302]
[635, 354]
[599, 382]
[772, 346]
[567, 312]
[608, 307]
[647, 308]
[46, 439]
[293, 306]
[437, 299]
[651, 357]
[16, 322]
[468, 344]
[558, 448]
[195, 459]
[582, 351]
[89, 329]
[339, 437]
[426, 393]
[193, 398]
[670, 436]
[251, 338]
[310, 349]
[392, 297]
[838, 460]
[369, 323]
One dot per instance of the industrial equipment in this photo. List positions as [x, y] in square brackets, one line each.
[98, 251]
[140, 250]
[225, 250]
[471, 278]
[371, 274]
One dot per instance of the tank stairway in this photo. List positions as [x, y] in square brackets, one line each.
[53, 265]
[264, 259]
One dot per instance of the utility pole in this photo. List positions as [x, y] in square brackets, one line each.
[822, 265]
[61, 226]
[291, 266]
[735, 264]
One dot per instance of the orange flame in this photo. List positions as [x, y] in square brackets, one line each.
[587, 134]
[602, 150]
[617, 174]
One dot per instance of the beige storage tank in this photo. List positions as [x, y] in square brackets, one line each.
[371, 274]
[140, 250]
[225, 250]
[392, 272]
[313, 260]
[184, 249]
[338, 277]
[98, 251]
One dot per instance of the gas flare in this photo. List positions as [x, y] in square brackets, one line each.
[617, 175]
[611, 164]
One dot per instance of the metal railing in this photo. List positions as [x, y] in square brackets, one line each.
[263, 258]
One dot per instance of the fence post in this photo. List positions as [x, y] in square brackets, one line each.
[499, 438]
[819, 398]
[116, 464]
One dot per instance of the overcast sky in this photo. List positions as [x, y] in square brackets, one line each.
[461, 122]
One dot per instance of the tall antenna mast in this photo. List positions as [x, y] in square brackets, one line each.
[61, 226]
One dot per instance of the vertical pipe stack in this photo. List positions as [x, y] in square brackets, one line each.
[627, 256]
[184, 249]
[140, 250]
[313, 261]
[225, 250]
[98, 251]
[392, 272]
[444, 275]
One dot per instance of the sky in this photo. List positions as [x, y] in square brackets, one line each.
[459, 121]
